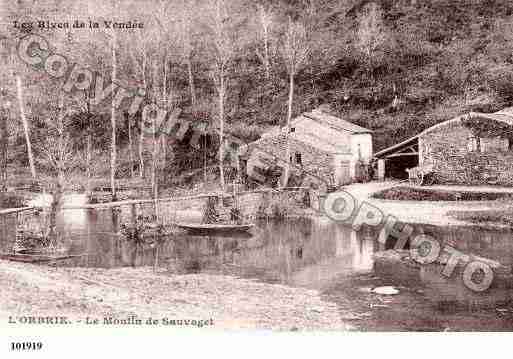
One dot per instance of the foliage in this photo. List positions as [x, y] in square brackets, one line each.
[485, 218]
[396, 67]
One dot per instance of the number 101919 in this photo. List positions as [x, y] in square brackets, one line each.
[22, 346]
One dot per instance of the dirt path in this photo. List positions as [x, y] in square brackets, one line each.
[231, 302]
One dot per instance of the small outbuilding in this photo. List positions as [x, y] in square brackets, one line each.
[475, 148]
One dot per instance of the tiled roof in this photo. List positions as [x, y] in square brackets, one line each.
[506, 111]
[332, 121]
[312, 139]
[308, 139]
[504, 115]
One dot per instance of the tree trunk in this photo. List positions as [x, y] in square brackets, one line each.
[154, 168]
[267, 62]
[156, 259]
[4, 140]
[130, 147]
[89, 147]
[89, 190]
[113, 154]
[192, 88]
[57, 193]
[141, 151]
[286, 171]
[25, 126]
[221, 131]
[141, 126]
[163, 145]
[156, 196]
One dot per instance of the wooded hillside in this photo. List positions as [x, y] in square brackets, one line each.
[394, 66]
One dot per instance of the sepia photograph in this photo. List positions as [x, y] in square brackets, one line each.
[260, 166]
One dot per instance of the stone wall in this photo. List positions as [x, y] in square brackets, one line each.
[448, 149]
[313, 161]
[257, 204]
[272, 204]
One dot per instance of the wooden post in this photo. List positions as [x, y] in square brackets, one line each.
[133, 214]
[19, 88]
[381, 170]
[115, 218]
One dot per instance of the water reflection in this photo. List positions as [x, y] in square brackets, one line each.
[314, 253]
[305, 252]
[75, 218]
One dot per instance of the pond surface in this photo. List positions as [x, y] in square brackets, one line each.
[317, 254]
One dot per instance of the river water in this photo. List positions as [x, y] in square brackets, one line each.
[314, 253]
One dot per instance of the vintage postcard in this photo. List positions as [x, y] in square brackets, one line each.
[276, 166]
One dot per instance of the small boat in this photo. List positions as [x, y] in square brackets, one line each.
[213, 228]
[36, 258]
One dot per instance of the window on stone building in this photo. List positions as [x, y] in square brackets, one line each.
[292, 129]
[505, 145]
[484, 145]
[473, 144]
[298, 159]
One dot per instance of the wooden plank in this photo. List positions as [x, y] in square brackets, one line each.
[16, 210]
[176, 199]
[395, 155]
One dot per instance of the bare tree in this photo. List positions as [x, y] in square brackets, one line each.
[113, 153]
[4, 141]
[265, 20]
[162, 91]
[128, 120]
[5, 108]
[154, 134]
[89, 126]
[371, 33]
[186, 29]
[295, 50]
[222, 57]
[140, 59]
[57, 156]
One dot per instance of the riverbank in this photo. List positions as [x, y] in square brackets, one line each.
[232, 303]
[438, 213]
[489, 219]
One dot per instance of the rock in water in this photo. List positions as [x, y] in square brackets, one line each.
[387, 290]
[365, 289]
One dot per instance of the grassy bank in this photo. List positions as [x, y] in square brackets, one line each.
[404, 193]
[231, 302]
[486, 218]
